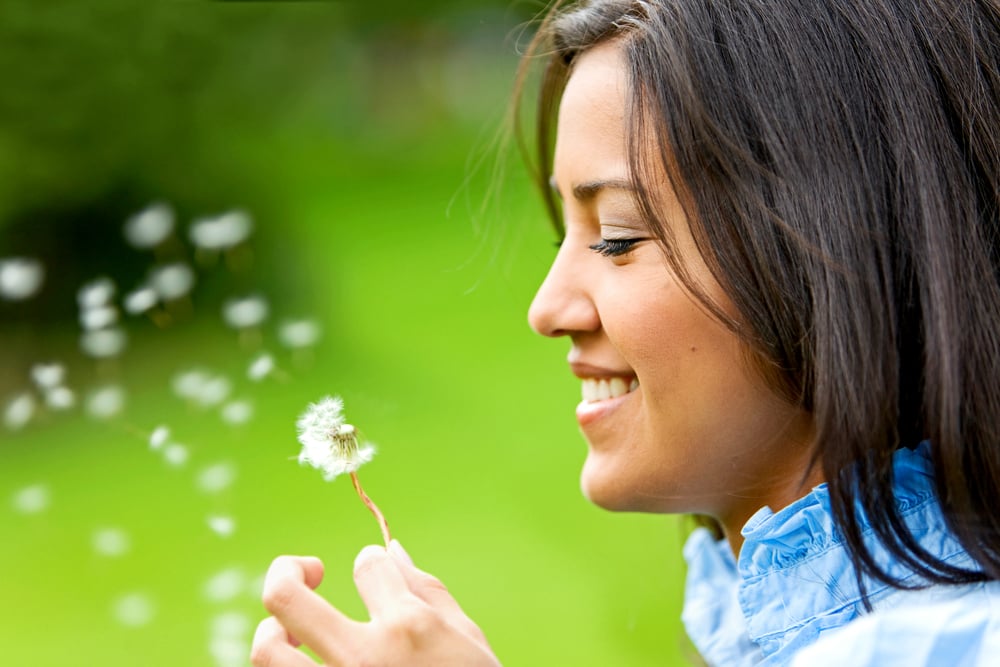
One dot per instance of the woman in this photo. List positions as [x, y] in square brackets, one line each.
[780, 277]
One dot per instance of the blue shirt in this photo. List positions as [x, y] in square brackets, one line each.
[793, 587]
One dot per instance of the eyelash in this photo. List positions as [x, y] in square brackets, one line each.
[614, 247]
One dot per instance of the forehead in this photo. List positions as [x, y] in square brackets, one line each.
[590, 132]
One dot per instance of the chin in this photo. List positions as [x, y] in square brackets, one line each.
[606, 489]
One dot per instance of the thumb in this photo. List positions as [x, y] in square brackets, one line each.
[430, 589]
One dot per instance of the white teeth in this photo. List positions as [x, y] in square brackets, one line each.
[601, 389]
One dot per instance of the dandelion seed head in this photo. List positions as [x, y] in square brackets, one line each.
[150, 227]
[222, 231]
[245, 312]
[20, 278]
[221, 525]
[172, 281]
[19, 411]
[32, 499]
[237, 412]
[110, 542]
[299, 333]
[140, 300]
[134, 610]
[98, 317]
[48, 376]
[103, 343]
[98, 292]
[328, 443]
[217, 477]
[158, 437]
[106, 402]
[60, 398]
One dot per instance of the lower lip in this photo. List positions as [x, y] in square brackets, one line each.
[588, 412]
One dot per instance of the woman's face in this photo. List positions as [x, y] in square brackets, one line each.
[675, 418]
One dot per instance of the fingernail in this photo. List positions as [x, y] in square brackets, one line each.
[369, 552]
[396, 549]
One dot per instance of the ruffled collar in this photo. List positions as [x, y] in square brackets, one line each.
[794, 578]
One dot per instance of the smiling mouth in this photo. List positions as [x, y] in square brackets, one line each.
[602, 389]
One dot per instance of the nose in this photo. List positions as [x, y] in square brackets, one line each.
[563, 304]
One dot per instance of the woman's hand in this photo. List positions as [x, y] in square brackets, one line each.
[414, 620]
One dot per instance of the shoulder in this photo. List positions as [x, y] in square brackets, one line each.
[957, 626]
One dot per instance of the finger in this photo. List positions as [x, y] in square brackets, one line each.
[430, 589]
[288, 595]
[378, 579]
[271, 647]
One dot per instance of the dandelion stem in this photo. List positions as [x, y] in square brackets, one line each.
[373, 507]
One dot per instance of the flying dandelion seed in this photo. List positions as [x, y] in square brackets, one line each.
[245, 312]
[260, 367]
[188, 384]
[331, 445]
[134, 610]
[237, 412]
[213, 391]
[20, 278]
[231, 624]
[221, 232]
[106, 402]
[228, 639]
[225, 585]
[98, 292]
[103, 343]
[221, 525]
[217, 477]
[60, 398]
[176, 455]
[19, 411]
[48, 376]
[140, 300]
[150, 227]
[297, 334]
[158, 437]
[111, 542]
[33, 499]
[99, 317]
[172, 281]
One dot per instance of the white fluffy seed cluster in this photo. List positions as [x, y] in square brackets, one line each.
[329, 444]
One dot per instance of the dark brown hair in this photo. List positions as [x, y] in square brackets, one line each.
[839, 164]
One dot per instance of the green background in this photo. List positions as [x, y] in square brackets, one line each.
[364, 142]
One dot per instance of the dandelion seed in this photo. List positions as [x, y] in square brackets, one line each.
[213, 391]
[221, 232]
[217, 477]
[98, 292]
[103, 343]
[229, 651]
[32, 499]
[140, 300]
[106, 402]
[99, 317]
[150, 227]
[231, 624]
[188, 384]
[223, 526]
[176, 455]
[111, 542]
[225, 585]
[237, 412]
[299, 333]
[134, 610]
[172, 281]
[331, 445]
[158, 437]
[48, 376]
[20, 278]
[246, 312]
[261, 367]
[60, 398]
[19, 411]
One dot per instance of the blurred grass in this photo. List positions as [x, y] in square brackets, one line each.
[371, 223]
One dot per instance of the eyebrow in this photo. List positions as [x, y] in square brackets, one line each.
[589, 190]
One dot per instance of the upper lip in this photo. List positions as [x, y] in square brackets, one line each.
[584, 371]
